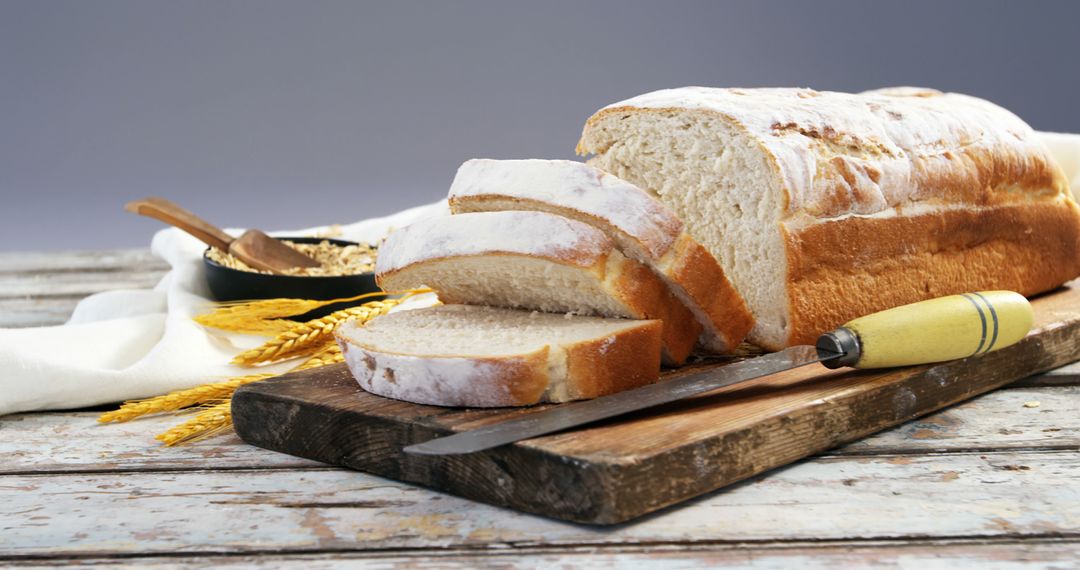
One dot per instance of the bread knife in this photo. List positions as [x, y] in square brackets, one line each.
[946, 328]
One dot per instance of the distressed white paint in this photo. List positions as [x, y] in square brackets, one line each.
[992, 495]
[1005, 555]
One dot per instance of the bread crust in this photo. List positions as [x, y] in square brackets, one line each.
[600, 367]
[524, 233]
[837, 154]
[624, 360]
[649, 298]
[1027, 248]
[690, 265]
[562, 186]
[449, 381]
[893, 196]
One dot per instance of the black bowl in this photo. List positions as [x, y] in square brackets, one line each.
[228, 284]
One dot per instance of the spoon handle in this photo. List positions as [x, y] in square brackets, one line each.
[174, 215]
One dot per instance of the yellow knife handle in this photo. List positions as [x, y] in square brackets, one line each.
[940, 329]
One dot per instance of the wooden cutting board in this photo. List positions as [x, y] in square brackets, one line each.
[620, 469]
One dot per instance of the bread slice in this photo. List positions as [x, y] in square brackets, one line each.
[643, 228]
[462, 355]
[825, 206]
[532, 260]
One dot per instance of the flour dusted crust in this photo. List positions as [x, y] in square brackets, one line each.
[840, 154]
[885, 197]
[643, 228]
[569, 185]
[504, 247]
[627, 357]
[522, 233]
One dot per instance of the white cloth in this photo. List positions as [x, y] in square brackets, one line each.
[127, 344]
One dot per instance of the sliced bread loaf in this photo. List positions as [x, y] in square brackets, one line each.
[642, 227]
[825, 206]
[461, 355]
[533, 260]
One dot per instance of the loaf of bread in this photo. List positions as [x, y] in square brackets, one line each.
[642, 227]
[536, 261]
[825, 206]
[461, 355]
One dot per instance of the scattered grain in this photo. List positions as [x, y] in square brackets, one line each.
[334, 259]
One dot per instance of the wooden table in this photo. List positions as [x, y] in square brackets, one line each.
[993, 483]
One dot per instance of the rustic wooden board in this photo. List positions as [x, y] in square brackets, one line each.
[955, 496]
[624, 468]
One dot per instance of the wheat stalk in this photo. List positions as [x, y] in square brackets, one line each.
[218, 417]
[306, 338]
[267, 316]
[210, 421]
[329, 354]
[312, 339]
[180, 399]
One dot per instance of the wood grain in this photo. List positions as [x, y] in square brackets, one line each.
[74, 441]
[61, 284]
[953, 496]
[624, 468]
[1047, 554]
[80, 261]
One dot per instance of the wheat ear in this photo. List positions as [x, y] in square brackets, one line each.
[265, 317]
[180, 399]
[218, 417]
[212, 420]
[306, 338]
[329, 354]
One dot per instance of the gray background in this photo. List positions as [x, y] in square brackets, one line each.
[290, 114]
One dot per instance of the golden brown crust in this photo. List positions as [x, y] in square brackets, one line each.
[845, 269]
[602, 366]
[650, 298]
[698, 272]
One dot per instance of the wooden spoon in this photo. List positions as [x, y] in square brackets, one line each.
[254, 247]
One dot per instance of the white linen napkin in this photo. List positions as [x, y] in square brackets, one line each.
[137, 343]
[127, 344]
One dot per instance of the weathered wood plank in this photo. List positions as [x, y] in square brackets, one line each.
[74, 441]
[1068, 375]
[23, 312]
[68, 284]
[998, 420]
[993, 495]
[79, 260]
[1029, 555]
